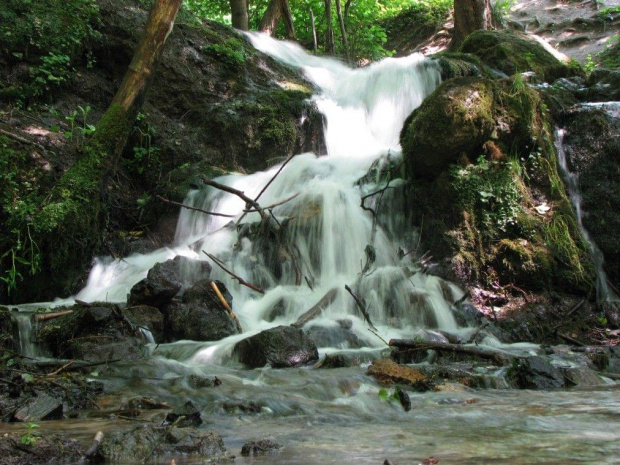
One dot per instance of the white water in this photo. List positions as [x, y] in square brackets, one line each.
[364, 111]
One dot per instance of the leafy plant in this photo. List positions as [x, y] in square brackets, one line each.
[30, 437]
[82, 130]
[145, 154]
[489, 189]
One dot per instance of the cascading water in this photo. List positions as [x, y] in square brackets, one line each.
[324, 221]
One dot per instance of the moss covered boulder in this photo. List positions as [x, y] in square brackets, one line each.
[511, 53]
[467, 117]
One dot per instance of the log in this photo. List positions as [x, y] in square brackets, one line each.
[51, 316]
[317, 308]
[486, 354]
[93, 446]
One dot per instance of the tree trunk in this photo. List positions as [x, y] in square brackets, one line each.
[469, 16]
[343, 31]
[329, 33]
[116, 124]
[239, 13]
[314, 41]
[278, 9]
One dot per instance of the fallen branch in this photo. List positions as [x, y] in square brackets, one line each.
[179, 204]
[241, 281]
[21, 139]
[51, 316]
[66, 365]
[474, 335]
[571, 340]
[317, 308]
[486, 354]
[569, 314]
[361, 306]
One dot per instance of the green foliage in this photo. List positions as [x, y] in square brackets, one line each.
[30, 437]
[489, 190]
[145, 155]
[387, 396]
[79, 132]
[50, 36]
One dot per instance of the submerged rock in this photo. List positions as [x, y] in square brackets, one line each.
[260, 446]
[149, 443]
[282, 347]
[200, 316]
[334, 336]
[535, 373]
[388, 372]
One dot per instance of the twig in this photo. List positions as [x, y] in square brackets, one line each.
[274, 205]
[179, 204]
[93, 446]
[55, 372]
[51, 316]
[571, 340]
[377, 334]
[569, 314]
[462, 299]
[273, 177]
[360, 305]
[474, 335]
[238, 278]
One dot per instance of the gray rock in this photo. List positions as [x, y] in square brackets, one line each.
[200, 316]
[260, 446]
[147, 317]
[282, 347]
[334, 336]
[42, 407]
[165, 280]
[535, 373]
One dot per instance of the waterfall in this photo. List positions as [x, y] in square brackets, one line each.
[319, 208]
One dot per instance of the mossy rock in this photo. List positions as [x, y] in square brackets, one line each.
[524, 262]
[453, 65]
[511, 53]
[467, 117]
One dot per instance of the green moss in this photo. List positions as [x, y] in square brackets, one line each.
[113, 130]
[454, 65]
[231, 53]
[523, 262]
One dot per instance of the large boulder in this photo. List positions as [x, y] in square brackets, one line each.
[535, 373]
[467, 117]
[200, 315]
[282, 347]
[511, 53]
[165, 280]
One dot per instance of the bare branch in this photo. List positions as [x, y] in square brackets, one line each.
[361, 306]
[178, 204]
[243, 282]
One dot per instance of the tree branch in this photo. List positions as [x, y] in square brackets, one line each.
[178, 204]
[361, 306]
[243, 282]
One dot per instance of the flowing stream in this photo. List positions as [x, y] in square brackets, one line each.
[336, 416]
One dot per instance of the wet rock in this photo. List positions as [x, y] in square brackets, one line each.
[48, 448]
[260, 446]
[388, 372]
[187, 415]
[144, 316]
[148, 443]
[102, 349]
[200, 316]
[282, 347]
[346, 359]
[161, 284]
[198, 382]
[467, 315]
[334, 336]
[581, 376]
[41, 407]
[535, 373]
